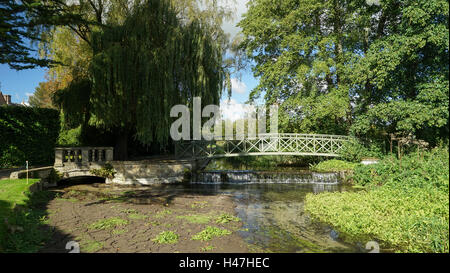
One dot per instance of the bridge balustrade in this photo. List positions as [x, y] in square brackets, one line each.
[263, 144]
[82, 155]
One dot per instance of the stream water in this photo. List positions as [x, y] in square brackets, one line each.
[271, 207]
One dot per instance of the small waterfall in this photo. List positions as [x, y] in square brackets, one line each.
[210, 177]
[254, 177]
[326, 177]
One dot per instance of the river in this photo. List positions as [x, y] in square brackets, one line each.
[271, 207]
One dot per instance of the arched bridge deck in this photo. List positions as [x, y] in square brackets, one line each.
[263, 144]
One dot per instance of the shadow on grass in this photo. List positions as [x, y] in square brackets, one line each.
[24, 228]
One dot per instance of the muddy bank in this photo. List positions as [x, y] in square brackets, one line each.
[104, 218]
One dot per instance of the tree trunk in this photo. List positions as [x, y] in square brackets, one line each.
[121, 148]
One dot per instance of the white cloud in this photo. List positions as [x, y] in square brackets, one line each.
[238, 86]
[232, 110]
[29, 94]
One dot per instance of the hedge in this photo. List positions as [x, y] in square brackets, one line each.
[27, 133]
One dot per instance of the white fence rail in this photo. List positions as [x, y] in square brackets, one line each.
[263, 144]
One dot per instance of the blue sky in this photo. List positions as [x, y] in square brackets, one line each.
[21, 84]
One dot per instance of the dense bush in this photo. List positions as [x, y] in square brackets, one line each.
[27, 133]
[107, 171]
[264, 163]
[333, 165]
[70, 137]
[427, 170]
[404, 206]
[354, 151]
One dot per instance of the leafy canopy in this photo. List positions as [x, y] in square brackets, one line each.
[358, 67]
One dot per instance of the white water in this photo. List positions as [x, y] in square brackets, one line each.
[252, 177]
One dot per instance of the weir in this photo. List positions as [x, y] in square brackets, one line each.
[193, 156]
[255, 177]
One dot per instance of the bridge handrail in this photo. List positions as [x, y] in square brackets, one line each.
[244, 136]
[82, 155]
[282, 144]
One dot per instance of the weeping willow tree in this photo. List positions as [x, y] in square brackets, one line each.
[147, 64]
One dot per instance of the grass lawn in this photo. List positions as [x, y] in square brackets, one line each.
[18, 218]
[12, 192]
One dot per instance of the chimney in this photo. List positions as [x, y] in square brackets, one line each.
[7, 99]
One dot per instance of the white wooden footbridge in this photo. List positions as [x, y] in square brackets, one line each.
[263, 144]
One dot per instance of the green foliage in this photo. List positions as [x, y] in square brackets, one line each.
[429, 170]
[107, 171]
[196, 218]
[108, 223]
[333, 165]
[54, 176]
[122, 56]
[119, 231]
[342, 67]
[91, 246]
[404, 206]
[166, 237]
[226, 218]
[21, 217]
[27, 134]
[20, 20]
[263, 163]
[137, 216]
[163, 213]
[70, 137]
[169, 61]
[210, 232]
[354, 151]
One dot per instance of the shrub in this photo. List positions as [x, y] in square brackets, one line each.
[106, 172]
[354, 151]
[404, 207]
[27, 133]
[54, 176]
[333, 165]
[70, 137]
[427, 171]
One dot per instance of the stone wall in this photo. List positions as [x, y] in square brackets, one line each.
[150, 172]
[79, 161]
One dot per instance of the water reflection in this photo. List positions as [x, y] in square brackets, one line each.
[274, 219]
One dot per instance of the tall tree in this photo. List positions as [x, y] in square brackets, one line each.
[339, 66]
[146, 57]
[22, 22]
[300, 48]
[406, 68]
[148, 64]
[43, 94]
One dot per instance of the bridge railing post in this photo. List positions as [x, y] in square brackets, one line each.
[84, 156]
[109, 154]
[59, 157]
